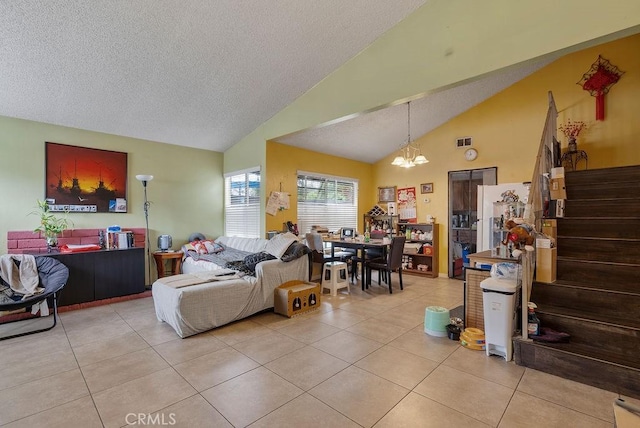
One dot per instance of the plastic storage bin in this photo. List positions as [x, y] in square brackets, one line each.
[499, 307]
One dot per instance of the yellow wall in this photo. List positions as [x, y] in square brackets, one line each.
[507, 129]
[283, 163]
[445, 43]
[186, 193]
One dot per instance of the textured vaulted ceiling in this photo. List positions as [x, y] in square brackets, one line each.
[203, 73]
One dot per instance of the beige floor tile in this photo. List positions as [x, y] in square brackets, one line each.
[158, 334]
[304, 411]
[239, 331]
[100, 350]
[418, 411]
[397, 366]
[141, 320]
[248, 397]
[493, 368]
[359, 395]
[577, 396]
[309, 331]
[74, 325]
[211, 369]
[268, 347]
[397, 316]
[378, 331]
[12, 351]
[363, 308]
[193, 412]
[339, 318]
[36, 366]
[347, 346]
[468, 394]
[134, 305]
[88, 316]
[148, 394]
[180, 350]
[121, 369]
[33, 397]
[525, 410]
[98, 331]
[307, 367]
[273, 320]
[423, 345]
[77, 413]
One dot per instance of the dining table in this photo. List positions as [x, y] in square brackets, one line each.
[361, 248]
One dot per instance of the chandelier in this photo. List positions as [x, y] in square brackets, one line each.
[410, 155]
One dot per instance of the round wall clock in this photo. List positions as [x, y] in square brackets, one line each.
[470, 154]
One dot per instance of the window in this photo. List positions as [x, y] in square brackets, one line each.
[242, 203]
[326, 201]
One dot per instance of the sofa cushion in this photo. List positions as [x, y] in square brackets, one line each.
[249, 245]
[279, 244]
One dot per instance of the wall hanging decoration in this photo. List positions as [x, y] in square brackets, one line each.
[407, 205]
[598, 80]
[79, 179]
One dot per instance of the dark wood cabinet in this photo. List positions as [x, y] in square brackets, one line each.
[96, 275]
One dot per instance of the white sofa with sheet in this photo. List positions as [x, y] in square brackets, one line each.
[201, 298]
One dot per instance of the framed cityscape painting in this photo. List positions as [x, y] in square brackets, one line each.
[85, 180]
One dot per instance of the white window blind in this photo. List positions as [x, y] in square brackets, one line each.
[326, 201]
[242, 203]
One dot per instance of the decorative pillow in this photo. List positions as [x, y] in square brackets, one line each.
[279, 244]
[295, 251]
[204, 247]
[252, 260]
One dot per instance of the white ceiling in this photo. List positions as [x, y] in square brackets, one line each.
[203, 73]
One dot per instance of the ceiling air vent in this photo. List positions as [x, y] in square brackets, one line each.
[463, 142]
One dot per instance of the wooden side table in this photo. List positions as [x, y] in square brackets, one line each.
[161, 257]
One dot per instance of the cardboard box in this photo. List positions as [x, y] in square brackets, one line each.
[296, 297]
[557, 188]
[546, 260]
[557, 172]
[556, 208]
[550, 228]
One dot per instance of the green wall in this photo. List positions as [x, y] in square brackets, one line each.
[186, 193]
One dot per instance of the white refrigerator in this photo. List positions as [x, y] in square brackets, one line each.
[487, 195]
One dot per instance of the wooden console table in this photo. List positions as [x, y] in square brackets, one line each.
[175, 259]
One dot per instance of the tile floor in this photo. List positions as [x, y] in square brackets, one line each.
[360, 360]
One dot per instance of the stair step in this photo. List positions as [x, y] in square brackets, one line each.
[629, 174]
[597, 339]
[603, 190]
[615, 207]
[618, 319]
[599, 227]
[571, 364]
[605, 275]
[599, 249]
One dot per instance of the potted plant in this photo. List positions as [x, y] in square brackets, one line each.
[50, 225]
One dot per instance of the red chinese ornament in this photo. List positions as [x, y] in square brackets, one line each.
[598, 80]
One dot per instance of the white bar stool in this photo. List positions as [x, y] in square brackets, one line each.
[338, 277]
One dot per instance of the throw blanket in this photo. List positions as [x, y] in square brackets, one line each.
[186, 279]
[20, 272]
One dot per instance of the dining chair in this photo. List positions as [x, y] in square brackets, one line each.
[392, 263]
[318, 256]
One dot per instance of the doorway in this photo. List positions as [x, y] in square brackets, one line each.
[463, 215]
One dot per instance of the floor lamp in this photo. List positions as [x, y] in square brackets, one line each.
[144, 178]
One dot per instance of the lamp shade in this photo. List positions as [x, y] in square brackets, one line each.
[144, 177]
[420, 159]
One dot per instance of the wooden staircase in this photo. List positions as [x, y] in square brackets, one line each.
[596, 297]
